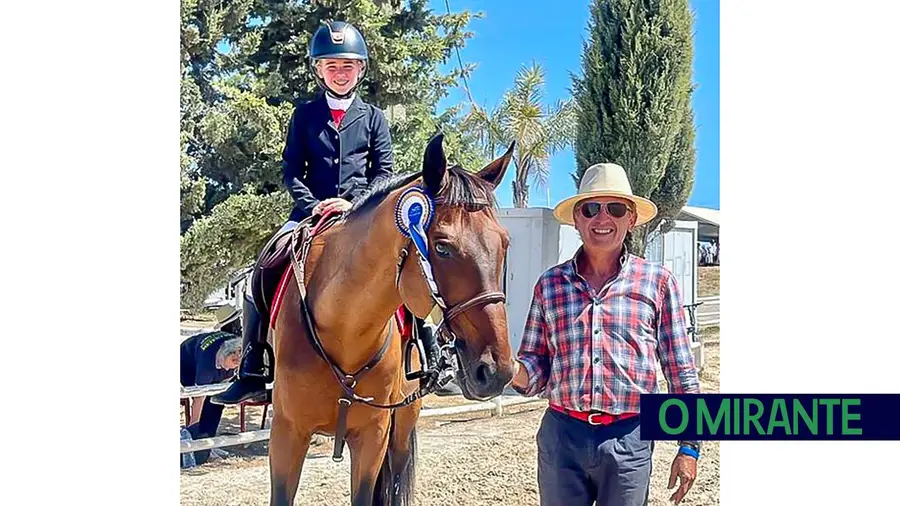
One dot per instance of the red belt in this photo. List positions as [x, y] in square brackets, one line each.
[593, 417]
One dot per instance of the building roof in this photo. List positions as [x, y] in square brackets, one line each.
[701, 214]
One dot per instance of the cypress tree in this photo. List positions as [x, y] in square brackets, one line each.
[634, 102]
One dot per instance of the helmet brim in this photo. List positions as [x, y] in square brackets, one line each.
[340, 56]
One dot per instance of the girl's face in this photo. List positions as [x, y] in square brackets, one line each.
[339, 75]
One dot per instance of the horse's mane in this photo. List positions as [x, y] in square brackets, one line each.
[460, 188]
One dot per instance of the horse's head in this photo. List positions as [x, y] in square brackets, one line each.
[467, 250]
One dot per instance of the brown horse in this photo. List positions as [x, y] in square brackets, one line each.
[355, 274]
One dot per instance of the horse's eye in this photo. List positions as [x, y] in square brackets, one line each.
[442, 249]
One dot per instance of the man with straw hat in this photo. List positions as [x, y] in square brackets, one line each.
[596, 325]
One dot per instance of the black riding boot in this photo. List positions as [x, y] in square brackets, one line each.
[429, 342]
[252, 375]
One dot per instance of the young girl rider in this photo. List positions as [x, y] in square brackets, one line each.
[337, 147]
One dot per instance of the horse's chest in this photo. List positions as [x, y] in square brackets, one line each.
[313, 394]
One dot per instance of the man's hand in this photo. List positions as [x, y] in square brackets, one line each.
[520, 376]
[684, 467]
[332, 204]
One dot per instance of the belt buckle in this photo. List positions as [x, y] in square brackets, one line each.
[590, 419]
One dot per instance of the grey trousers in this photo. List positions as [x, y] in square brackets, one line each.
[581, 464]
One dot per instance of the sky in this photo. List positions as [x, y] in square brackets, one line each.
[513, 33]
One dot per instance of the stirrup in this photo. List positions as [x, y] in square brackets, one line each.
[426, 369]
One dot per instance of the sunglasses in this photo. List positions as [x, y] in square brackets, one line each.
[614, 209]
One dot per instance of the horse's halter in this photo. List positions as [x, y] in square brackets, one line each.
[416, 231]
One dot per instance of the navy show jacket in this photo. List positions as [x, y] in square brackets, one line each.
[322, 161]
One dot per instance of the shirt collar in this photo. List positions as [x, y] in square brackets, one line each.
[339, 103]
[571, 269]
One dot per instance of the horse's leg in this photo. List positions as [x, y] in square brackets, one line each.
[402, 452]
[368, 449]
[287, 451]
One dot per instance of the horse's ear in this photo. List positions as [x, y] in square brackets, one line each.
[494, 171]
[435, 164]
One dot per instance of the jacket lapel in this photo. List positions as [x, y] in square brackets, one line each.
[323, 111]
[354, 112]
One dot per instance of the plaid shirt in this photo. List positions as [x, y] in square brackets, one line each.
[597, 352]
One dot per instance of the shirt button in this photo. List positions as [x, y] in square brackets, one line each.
[596, 303]
[596, 331]
[596, 360]
[597, 388]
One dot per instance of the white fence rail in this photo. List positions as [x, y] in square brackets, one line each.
[206, 390]
[495, 407]
[708, 318]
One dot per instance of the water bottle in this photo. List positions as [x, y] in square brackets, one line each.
[187, 459]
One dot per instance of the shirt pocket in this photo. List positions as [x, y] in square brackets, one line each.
[640, 320]
[559, 325]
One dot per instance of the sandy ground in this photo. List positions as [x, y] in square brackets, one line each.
[708, 281]
[472, 460]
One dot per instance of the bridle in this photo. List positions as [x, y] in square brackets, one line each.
[446, 336]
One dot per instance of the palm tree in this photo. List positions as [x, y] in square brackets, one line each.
[539, 131]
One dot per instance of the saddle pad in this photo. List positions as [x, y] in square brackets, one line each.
[405, 329]
[303, 231]
[286, 278]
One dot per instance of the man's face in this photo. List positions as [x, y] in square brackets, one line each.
[339, 75]
[603, 222]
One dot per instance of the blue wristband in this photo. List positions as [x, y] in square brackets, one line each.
[689, 451]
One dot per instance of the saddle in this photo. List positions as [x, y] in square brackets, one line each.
[274, 271]
[272, 264]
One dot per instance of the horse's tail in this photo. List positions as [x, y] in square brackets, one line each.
[407, 478]
[396, 488]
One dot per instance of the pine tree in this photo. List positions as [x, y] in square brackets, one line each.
[244, 65]
[634, 102]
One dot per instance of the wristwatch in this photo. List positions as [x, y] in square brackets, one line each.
[691, 448]
[691, 444]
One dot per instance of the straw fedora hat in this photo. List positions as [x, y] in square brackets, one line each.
[605, 180]
[226, 314]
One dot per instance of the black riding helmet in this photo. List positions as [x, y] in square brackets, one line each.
[337, 39]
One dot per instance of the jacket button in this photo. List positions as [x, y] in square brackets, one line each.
[336, 161]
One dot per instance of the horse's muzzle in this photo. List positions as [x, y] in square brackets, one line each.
[482, 378]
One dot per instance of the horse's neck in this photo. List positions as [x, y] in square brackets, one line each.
[352, 290]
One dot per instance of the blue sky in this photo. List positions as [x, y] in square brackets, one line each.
[515, 33]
